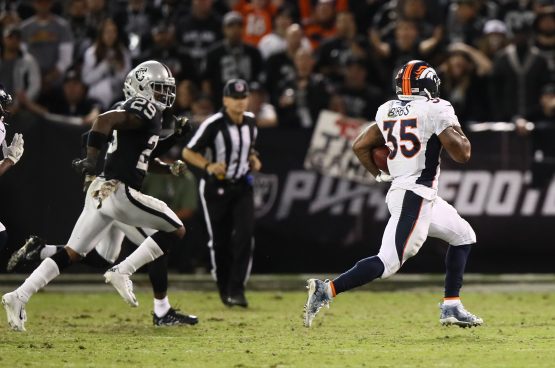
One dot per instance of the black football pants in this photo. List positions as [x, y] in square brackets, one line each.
[229, 215]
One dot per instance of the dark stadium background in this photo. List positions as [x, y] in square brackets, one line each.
[42, 195]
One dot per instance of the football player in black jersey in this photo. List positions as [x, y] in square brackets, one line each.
[108, 249]
[10, 154]
[115, 194]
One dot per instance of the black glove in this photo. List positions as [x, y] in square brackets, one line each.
[85, 166]
[181, 126]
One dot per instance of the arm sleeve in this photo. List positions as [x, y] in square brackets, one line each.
[443, 117]
[164, 145]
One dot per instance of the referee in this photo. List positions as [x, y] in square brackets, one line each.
[226, 190]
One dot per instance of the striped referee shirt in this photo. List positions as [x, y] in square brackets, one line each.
[229, 142]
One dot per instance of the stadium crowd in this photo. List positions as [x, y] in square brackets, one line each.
[66, 60]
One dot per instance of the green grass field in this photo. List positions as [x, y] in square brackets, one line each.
[362, 329]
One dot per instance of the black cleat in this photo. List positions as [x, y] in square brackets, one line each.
[174, 318]
[237, 300]
[28, 253]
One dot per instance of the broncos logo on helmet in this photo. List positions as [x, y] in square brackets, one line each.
[417, 78]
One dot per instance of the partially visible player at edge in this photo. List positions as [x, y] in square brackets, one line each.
[415, 127]
[115, 195]
[106, 252]
[11, 154]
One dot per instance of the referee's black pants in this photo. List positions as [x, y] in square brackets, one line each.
[229, 215]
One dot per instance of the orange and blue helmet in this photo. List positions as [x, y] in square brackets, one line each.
[417, 78]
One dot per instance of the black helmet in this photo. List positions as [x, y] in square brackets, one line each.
[417, 78]
[5, 102]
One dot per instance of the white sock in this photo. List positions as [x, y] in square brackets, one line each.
[49, 251]
[147, 252]
[161, 306]
[40, 277]
[452, 301]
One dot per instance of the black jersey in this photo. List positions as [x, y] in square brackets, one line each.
[129, 151]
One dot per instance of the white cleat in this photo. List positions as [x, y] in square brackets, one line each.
[123, 285]
[457, 315]
[15, 311]
[317, 298]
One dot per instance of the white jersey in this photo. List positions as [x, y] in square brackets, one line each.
[410, 129]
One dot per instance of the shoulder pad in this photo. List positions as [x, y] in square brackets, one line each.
[142, 108]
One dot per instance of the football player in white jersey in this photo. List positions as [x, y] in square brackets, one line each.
[415, 127]
[11, 154]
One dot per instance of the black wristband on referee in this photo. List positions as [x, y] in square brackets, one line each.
[97, 140]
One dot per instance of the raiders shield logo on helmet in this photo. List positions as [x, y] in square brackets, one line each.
[140, 74]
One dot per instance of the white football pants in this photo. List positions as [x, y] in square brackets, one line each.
[412, 220]
[122, 204]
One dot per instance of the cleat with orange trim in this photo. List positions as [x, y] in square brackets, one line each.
[457, 315]
[318, 297]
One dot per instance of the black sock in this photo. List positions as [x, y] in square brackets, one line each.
[94, 259]
[165, 240]
[363, 272]
[455, 263]
[158, 274]
[62, 259]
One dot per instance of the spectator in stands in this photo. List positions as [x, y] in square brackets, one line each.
[359, 99]
[334, 52]
[199, 30]
[97, 11]
[258, 16]
[422, 12]
[544, 29]
[49, 39]
[164, 49]
[264, 112]
[464, 23]
[70, 106]
[186, 93]
[406, 46]
[274, 42]
[105, 65]
[543, 165]
[280, 66]
[494, 38]
[9, 17]
[201, 109]
[231, 58]
[464, 83]
[136, 21]
[302, 98]
[519, 74]
[77, 18]
[19, 71]
[320, 23]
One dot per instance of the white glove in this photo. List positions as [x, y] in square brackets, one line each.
[383, 177]
[178, 168]
[15, 150]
